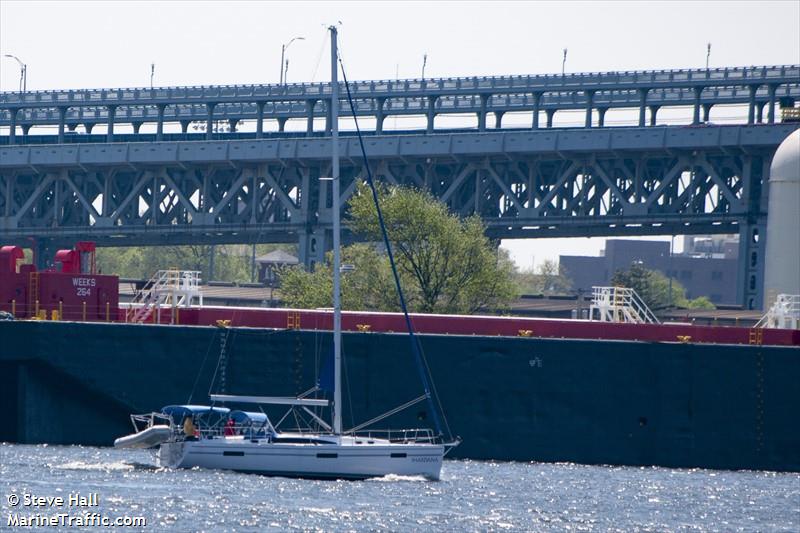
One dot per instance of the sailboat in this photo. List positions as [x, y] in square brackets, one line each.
[188, 436]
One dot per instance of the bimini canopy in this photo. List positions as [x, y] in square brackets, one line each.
[210, 414]
[258, 422]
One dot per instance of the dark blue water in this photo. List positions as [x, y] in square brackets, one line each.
[472, 496]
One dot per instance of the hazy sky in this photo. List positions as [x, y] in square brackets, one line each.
[112, 44]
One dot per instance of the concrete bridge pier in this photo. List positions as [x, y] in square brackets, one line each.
[160, 124]
[707, 112]
[112, 111]
[498, 119]
[771, 103]
[653, 112]
[210, 120]
[589, 105]
[310, 105]
[601, 116]
[62, 116]
[537, 100]
[380, 116]
[696, 114]
[751, 105]
[260, 119]
[752, 240]
[550, 113]
[12, 128]
[642, 106]
[431, 114]
[482, 113]
[312, 247]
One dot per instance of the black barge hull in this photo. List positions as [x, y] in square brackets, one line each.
[520, 399]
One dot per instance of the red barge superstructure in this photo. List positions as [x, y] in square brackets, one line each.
[73, 290]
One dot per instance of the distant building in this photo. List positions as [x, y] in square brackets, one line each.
[708, 266]
[269, 264]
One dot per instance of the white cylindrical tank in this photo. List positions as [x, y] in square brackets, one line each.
[782, 262]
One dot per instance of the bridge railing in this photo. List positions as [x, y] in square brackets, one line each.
[650, 79]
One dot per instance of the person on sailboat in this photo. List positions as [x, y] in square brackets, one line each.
[189, 429]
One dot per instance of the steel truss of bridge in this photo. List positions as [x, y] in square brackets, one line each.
[756, 87]
[547, 183]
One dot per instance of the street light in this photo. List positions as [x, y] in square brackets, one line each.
[283, 54]
[424, 62]
[23, 73]
[564, 62]
[708, 54]
[152, 72]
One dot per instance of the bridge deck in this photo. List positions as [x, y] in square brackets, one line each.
[753, 86]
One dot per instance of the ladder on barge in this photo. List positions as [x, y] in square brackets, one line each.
[620, 304]
[784, 313]
[167, 288]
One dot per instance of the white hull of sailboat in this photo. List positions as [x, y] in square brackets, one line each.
[322, 461]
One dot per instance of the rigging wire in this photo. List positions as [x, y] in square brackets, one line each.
[225, 346]
[322, 48]
[416, 348]
[202, 365]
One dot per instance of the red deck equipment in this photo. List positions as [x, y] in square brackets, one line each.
[72, 290]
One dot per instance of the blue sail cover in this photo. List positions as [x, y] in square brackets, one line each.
[254, 425]
[249, 418]
[211, 414]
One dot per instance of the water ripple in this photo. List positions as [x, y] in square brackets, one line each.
[472, 496]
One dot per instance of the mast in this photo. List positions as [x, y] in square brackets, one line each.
[337, 305]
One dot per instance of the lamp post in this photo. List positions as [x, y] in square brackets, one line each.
[564, 63]
[424, 62]
[708, 54]
[283, 54]
[23, 73]
[152, 72]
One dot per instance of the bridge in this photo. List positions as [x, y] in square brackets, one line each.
[536, 181]
[596, 93]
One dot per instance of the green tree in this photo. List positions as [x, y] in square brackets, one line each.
[446, 265]
[548, 278]
[368, 286]
[232, 262]
[655, 290]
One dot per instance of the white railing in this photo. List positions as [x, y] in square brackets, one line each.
[398, 436]
[784, 313]
[167, 288]
[620, 304]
